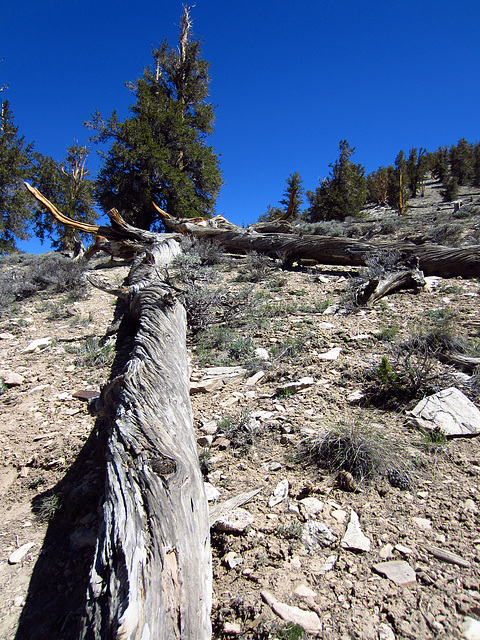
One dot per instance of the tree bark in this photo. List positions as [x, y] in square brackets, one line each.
[152, 575]
[436, 260]
[377, 288]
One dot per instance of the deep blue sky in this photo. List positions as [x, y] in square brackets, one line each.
[289, 79]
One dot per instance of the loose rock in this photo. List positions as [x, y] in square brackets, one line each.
[303, 383]
[448, 410]
[354, 538]
[38, 344]
[211, 492]
[333, 354]
[398, 571]
[309, 620]
[236, 521]
[279, 494]
[312, 506]
[18, 555]
[316, 536]
[11, 379]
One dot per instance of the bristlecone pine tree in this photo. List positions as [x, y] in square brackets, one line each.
[69, 188]
[343, 193]
[15, 164]
[160, 153]
[294, 183]
[397, 190]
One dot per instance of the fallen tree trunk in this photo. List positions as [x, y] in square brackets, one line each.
[458, 359]
[152, 574]
[123, 240]
[433, 259]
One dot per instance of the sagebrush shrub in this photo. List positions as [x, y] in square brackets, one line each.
[23, 276]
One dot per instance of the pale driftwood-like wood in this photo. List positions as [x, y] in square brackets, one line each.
[433, 259]
[460, 360]
[447, 556]
[221, 509]
[151, 576]
[377, 288]
[292, 247]
[121, 239]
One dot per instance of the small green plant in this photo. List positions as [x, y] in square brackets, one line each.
[321, 305]
[3, 386]
[277, 308]
[47, 506]
[205, 462]
[387, 334]
[395, 383]
[240, 349]
[257, 267]
[434, 441]
[385, 372]
[55, 310]
[276, 283]
[289, 631]
[241, 429]
[284, 393]
[91, 353]
[291, 531]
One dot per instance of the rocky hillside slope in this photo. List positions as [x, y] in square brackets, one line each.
[361, 525]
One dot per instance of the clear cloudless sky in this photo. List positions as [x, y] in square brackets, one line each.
[289, 80]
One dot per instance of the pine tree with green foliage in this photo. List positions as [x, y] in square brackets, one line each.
[294, 183]
[476, 165]
[15, 165]
[68, 186]
[397, 190]
[450, 188]
[159, 154]
[439, 163]
[415, 168]
[343, 193]
[461, 162]
[377, 186]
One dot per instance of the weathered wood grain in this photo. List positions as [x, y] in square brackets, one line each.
[151, 576]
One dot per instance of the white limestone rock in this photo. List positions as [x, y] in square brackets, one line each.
[448, 410]
[309, 620]
[354, 537]
[279, 494]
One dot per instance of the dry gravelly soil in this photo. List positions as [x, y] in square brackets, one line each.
[51, 475]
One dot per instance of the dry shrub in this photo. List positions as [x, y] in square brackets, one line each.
[365, 450]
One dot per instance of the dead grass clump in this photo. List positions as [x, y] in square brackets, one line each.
[257, 267]
[362, 449]
[439, 335]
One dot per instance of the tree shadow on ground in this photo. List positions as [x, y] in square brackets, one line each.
[59, 580]
[56, 596]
